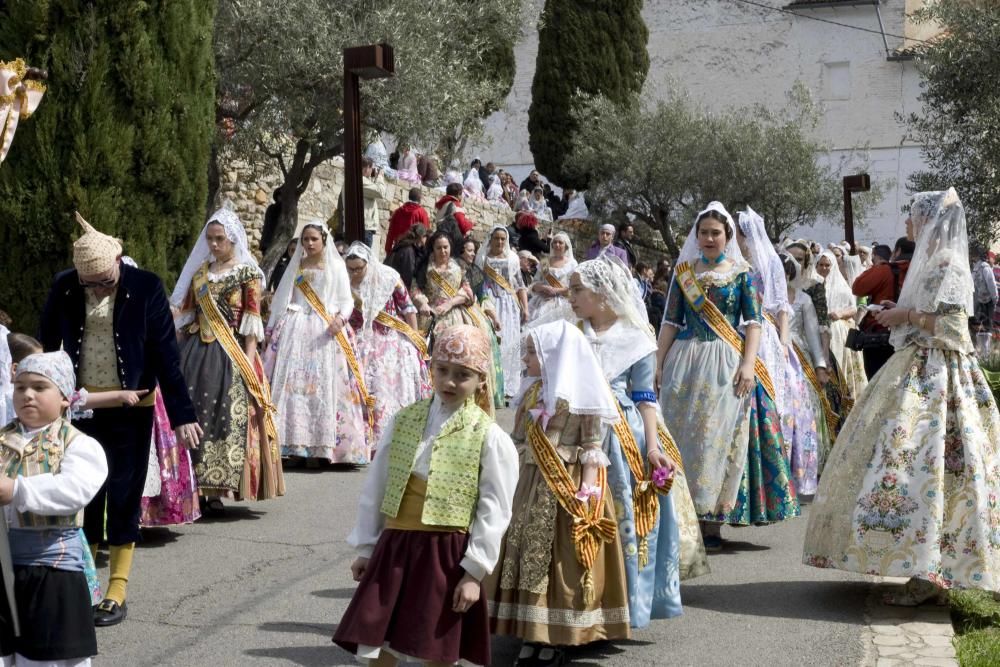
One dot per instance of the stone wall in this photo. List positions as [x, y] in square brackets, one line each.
[250, 191]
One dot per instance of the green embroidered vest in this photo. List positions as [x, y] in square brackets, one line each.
[38, 456]
[453, 481]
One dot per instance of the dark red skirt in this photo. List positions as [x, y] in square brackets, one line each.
[405, 599]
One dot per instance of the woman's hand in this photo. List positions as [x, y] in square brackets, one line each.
[336, 324]
[189, 435]
[494, 319]
[524, 315]
[744, 379]
[893, 317]
[657, 459]
[466, 594]
[131, 398]
[823, 375]
[425, 310]
[358, 568]
[658, 378]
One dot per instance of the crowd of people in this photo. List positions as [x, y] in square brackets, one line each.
[653, 406]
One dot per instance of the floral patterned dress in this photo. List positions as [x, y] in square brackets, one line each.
[235, 458]
[732, 447]
[508, 311]
[320, 410]
[395, 372]
[912, 486]
[806, 455]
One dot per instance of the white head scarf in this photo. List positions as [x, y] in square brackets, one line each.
[336, 291]
[690, 252]
[576, 208]
[200, 254]
[807, 276]
[513, 264]
[473, 183]
[564, 237]
[838, 292]
[571, 372]
[774, 286]
[5, 385]
[378, 284]
[495, 193]
[939, 271]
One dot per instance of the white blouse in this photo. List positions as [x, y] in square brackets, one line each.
[81, 474]
[498, 472]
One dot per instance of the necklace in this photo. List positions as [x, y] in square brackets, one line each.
[710, 262]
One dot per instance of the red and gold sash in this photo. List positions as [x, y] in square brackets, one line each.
[716, 321]
[257, 386]
[345, 345]
[591, 529]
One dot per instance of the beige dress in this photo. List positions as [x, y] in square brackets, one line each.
[536, 592]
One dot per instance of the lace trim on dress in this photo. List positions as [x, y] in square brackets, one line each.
[717, 278]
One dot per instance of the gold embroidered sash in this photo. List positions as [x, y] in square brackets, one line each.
[716, 321]
[553, 281]
[302, 283]
[257, 387]
[501, 282]
[591, 529]
[451, 293]
[402, 327]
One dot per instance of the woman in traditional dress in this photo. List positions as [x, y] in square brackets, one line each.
[407, 165]
[912, 484]
[806, 349]
[507, 291]
[477, 282]
[842, 307]
[798, 422]
[217, 302]
[716, 397]
[659, 534]
[390, 348]
[543, 591]
[549, 301]
[443, 283]
[312, 360]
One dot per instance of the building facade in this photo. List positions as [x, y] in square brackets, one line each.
[850, 54]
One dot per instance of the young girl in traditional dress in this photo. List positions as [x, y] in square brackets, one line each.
[433, 511]
[549, 294]
[217, 302]
[659, 533]
[506, 288]
[312, 360]
[390, 348]
[716, 395]
[550, 589]
[49, 471]
[842, 307]
[911, 486]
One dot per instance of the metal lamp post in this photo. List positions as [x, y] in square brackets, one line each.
[852, 184]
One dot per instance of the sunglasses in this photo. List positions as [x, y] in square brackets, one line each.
[107, 282]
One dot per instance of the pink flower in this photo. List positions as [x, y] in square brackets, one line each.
[661, 475]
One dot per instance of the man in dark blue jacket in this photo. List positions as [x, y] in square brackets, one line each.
[115, 323]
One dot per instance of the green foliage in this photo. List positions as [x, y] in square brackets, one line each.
[593, 47]
[280, 65]
[122, 135]
[662, 162]
[959, 125]
[976, 617]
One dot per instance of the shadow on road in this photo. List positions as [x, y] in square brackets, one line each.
[834, 601]
[232, 513]
[324, 629]
[154, 538]
[307, 656]
[733, 545]
[336, 593]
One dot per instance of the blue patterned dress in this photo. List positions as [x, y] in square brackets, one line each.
[732, 447]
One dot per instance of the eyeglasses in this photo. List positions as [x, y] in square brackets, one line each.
[107, 282]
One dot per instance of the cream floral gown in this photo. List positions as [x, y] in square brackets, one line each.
[912, 486]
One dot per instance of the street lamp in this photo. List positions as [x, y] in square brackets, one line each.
[854, 183]
[374, 61]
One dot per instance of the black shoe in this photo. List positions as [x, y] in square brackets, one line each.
[110, 613]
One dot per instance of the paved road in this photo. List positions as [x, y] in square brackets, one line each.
[267, 584]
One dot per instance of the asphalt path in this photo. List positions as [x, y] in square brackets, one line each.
[267, 583]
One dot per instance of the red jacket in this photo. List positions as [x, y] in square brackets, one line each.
[464, 224]
[402, 219]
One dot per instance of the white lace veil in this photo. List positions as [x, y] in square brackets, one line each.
[5, 383]
[200, 254]
[513, 263]
[608, 276]
[569, 370]
[939, 271]
[838, 292]
[336, 291]
[690, 252]
[564, 237]
[378, 284]
[765, 261]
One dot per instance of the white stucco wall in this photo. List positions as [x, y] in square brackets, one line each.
[727, 53]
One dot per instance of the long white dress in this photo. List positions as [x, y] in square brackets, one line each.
[911, 487]
[545, 309]
[509, 313]
[319, 410]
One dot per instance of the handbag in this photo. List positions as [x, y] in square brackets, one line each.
[863, 340]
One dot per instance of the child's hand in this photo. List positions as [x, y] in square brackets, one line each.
[6, 490]
[658, 459]
[132, 398]
[358, 568]
[466, 594]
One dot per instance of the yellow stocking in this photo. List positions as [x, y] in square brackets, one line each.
[121, 566]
